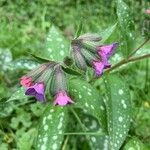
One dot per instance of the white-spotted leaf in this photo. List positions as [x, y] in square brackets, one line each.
[52, 126]
[96, 142]
[126, 27]
[18, 95]
[24, 63]
[134, 144]
[118, 108]
[57, 47]
[87, 98]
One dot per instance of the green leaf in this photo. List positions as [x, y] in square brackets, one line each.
[22, 64]
[118, 110]
[87, 98]
[79, 30]
[52, 126]
[107, 32]
[25, 142]
[39, 59]
[71, 71]
[5, 59]
[95, 141]
[126, 27]
[56, 46]
[134, 144]
[19, 94]
[142, 51]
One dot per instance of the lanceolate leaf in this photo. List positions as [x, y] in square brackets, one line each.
[118, 110]
[107, 32]
[87, 98]
[18, 95]
[56, 46]
[126, 26]
[51, 129]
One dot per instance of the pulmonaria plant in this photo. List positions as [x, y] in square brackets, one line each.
[47, 76]
[50, 77]
[88, 52]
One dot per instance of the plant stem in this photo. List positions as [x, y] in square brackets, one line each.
[125, 61]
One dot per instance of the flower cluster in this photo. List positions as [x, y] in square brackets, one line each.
[50, 76]
[47, 76]
[88, 52]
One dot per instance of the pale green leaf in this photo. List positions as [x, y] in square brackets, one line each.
[118, 110]
[52, 126]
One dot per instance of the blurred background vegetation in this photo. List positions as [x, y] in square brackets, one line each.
[23, 28]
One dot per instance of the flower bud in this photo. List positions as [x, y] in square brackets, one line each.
[79, 59]
[58, 81]
[90, 37]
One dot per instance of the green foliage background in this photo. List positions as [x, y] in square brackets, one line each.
[23, 29]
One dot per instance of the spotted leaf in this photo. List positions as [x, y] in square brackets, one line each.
[51, 129]
[118, 108]
[134, 144]
[126, 24]
[87, 98]
[57, 47]
[23, 63]
[18, 95]
[96, 142]
[5, 59]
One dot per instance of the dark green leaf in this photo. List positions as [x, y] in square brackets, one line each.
[87, 98]
[71, 71]
[126, 27]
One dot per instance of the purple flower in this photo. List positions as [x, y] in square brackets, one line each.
[98, 67]
[105, 51]
[62, 98]
[37, 91]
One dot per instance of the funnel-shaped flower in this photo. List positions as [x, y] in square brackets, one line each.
[62, 98]
[108, 50]
[105, 51]
[98, 67]
[26, 81]
[37, 91]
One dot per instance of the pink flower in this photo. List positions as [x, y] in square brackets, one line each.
[147, 11]
[98, 66]
[108, 50]
[37, 91]
[62, 98]
[26, 81]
